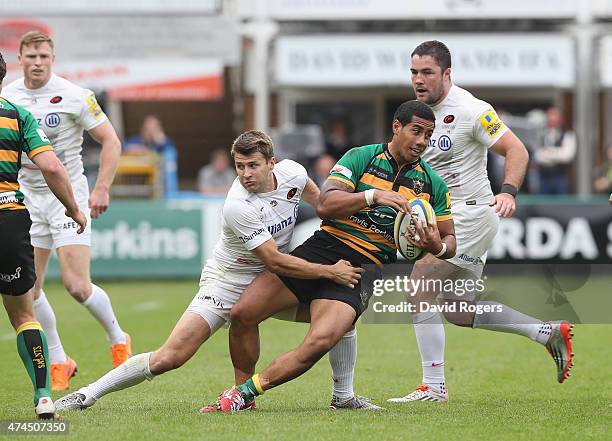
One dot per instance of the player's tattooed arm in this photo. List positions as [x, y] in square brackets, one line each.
[338, 200]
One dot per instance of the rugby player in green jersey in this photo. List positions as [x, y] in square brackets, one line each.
[20, 133]
[365, 179]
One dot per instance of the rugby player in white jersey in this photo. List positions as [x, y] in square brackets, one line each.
[257, 224]
[466, 128]
[63, 111]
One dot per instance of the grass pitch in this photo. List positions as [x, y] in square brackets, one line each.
[503, 387]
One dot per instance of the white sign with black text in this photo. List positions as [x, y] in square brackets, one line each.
[406, 9]
[349, 60]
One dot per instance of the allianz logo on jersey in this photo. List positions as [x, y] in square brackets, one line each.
[444, 143]
[51, 120]
[470, 259]
[273, 229]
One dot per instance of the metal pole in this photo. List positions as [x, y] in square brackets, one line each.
[586, 111]
[264, 31]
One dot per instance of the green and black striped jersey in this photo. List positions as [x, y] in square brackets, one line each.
[370, 231]
[19, 132]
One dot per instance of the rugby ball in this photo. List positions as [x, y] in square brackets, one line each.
[423, 213]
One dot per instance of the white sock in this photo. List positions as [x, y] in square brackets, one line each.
[46, 318]
[502, 318]
[342, 359]
[133, 371]
[99, 305]
[429, 332]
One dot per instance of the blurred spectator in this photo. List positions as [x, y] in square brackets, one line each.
[217, 177]
[152, 138]
[603, 175]
[554, 154]
[321, 168]
[338, 140]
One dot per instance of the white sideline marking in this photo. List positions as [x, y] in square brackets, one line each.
[147, 306]
[9, 336]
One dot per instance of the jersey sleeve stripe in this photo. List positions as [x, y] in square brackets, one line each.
[338, 178]
[37, 150]
[444, 218]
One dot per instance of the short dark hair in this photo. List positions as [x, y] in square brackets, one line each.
[253, 141]
[408, 109]
[435, 49]
[2, 68]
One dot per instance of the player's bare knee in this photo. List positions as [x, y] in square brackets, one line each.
[455, 313]
[318, 345]
[241, 317]
[164, 360]
[80, 291]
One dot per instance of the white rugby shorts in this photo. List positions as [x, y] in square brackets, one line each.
[475, 229]
[50, 225]
[219, 291]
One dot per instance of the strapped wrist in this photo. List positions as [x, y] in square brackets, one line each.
[509, 188]
[443, 251]
[369, 196]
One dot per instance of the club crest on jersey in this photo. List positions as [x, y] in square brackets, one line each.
[417, 186]
[55, 99]
[291, 193]
[52, 120]
[448, 119]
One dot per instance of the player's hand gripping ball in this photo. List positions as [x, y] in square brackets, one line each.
[421, 211]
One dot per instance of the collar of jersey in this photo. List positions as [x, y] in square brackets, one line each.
[393, 162]
[41, 90]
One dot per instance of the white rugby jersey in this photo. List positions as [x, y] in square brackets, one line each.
[465, 128]
[63, 110]
[250, 219]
